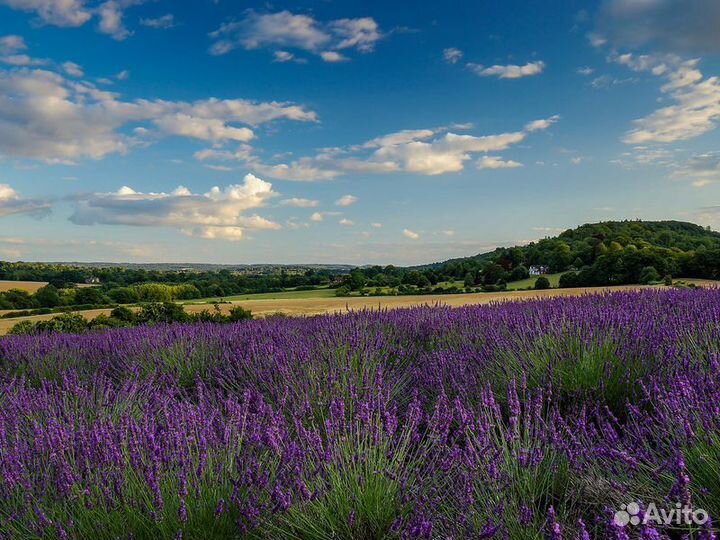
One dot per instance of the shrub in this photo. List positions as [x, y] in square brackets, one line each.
[542, 283]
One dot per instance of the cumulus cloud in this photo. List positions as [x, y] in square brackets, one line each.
[73, 69]
[452, 55]
[696, 107]
[163, 22]
[73, 13]
[333, 56]
[217, 214]
[11, 44]
[509, 71]
[299, 202]
[55, 12]
[346, 222]
[679, 26]
[496, 162]
[412, 235]
[45, 116]
[283, 56]
[12, 203]
[421, 151]
[346, 200]
[286, 30]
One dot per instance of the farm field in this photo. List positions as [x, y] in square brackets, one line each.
[30, 286]
[554, 280]
[296, 303]
[521, 420]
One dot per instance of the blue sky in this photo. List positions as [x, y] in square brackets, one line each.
[348, 132]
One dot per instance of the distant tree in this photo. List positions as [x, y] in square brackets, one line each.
[89, 295]
[519, 272]
[492, 274]
[668, 280]
[123, 295]
[167, 312]
[48, 296]
[469, 280]
[542, 283]
[649, 275]
[356, 279]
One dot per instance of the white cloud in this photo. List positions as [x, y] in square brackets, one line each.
[11, 44]
[123, 75]
[12, 203]
[111, 20]
[585, 71]
[45, 116]
[207, 129]
[299, 202]
[412, 235]
[543, 123]
[217, 214]
[55, 12]
[361, 34]
[452, 55]
[414, 151]
[283, 56]
[73, 13]
[73, 69]
[21, 60]
[346, 200]
[285, 30]
[696, 107]
[346, 222]
[163, 22]
[510, 71]
[376, 225]
[320, 216]
[496, 162]
[333, 56]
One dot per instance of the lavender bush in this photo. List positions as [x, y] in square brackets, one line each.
[526, 420]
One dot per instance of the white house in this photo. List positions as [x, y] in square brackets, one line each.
[538, 270]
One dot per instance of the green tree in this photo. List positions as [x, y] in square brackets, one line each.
[48, 296]
[649, 275]
[89, 295]
[542, 283]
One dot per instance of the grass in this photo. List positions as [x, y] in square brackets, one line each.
[529, 283]
[284, 295]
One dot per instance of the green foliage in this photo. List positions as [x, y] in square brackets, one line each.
[89, 295]
[48, 296]
[542, 283]
[649, 275]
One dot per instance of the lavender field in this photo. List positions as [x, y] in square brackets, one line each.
[538, 419]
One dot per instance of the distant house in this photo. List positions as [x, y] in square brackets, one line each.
[538, 270]
[93, 280]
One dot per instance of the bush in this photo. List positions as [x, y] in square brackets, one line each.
[649, 275]
[542, 283]
[167, 312]
[122, 313]
[239, 314]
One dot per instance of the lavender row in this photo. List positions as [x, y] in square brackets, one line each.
[539, 419]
